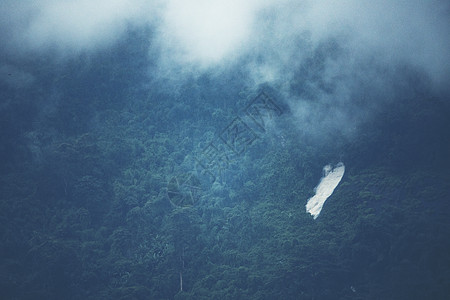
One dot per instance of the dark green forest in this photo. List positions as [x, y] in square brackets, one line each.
[96, 155]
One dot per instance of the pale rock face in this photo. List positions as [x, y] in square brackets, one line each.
[330, 180]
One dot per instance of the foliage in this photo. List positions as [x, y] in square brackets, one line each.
[86, 215]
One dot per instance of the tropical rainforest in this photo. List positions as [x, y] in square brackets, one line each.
[104, 192]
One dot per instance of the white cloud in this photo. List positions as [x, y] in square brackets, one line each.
[205, 31]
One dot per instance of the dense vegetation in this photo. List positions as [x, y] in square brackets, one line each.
[88, 151]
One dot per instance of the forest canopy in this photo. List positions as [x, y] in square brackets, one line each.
[167, 150]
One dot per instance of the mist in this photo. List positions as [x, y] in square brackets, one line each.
[209, 33]
[67, 27]
[322, 56]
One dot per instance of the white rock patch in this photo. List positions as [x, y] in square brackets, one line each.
[330, 180]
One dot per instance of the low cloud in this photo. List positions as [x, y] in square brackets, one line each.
[68, 27]
[336, 62]
[205, 31]
[323, 56]
[209, 32]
